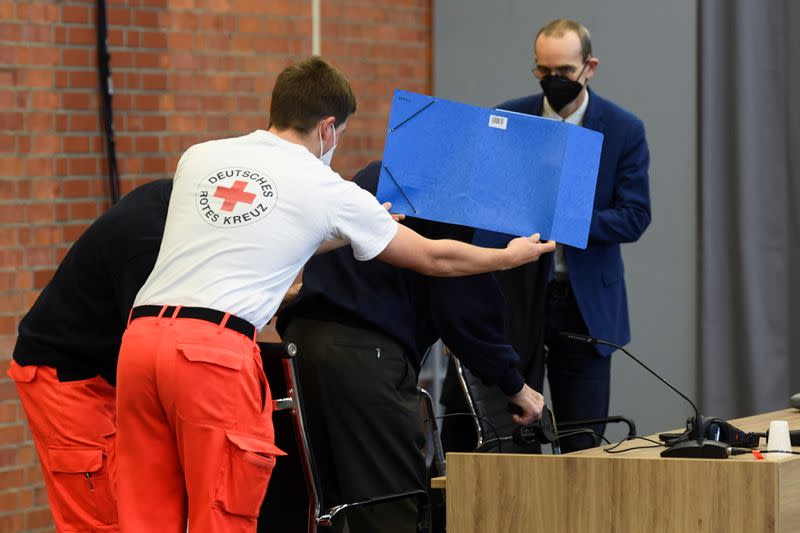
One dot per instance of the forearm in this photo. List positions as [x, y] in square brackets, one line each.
[449, 258]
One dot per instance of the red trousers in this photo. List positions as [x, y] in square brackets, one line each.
[72, 424]
[194, 428]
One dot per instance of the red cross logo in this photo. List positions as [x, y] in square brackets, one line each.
[233, 195]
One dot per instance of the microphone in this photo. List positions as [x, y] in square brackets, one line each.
[701, 447]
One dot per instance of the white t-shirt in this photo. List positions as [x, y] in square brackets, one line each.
[245, 215]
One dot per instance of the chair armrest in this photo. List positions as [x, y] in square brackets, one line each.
[277, 350]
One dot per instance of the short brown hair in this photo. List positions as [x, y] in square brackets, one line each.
[559, 27]
[307, 92]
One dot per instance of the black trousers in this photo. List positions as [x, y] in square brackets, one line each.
[362, 409]
[578, 376]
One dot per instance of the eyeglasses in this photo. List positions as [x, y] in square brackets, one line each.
[565, 71]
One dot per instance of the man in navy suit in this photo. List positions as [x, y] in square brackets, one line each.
[586, 288]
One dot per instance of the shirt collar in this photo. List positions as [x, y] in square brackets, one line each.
[575, 118]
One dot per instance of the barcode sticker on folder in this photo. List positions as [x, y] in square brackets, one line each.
[497, 122]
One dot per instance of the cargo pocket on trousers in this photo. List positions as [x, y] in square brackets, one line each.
[83, 488]
[245, 474]
[211, 375]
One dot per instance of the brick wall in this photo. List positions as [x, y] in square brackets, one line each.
[183, 71]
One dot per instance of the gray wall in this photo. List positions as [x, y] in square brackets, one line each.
[647, 53]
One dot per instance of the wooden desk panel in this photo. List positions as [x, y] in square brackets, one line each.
[638, 491]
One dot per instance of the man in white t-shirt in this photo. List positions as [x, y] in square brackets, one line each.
[195, 436]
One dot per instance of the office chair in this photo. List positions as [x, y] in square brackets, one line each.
[319, 514]
[491, 406]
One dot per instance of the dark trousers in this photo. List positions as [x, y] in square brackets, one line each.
[578, 376]
[362, 409]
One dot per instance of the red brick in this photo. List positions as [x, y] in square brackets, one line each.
[77, 100]
[82, 166]
[154, 82]
[76, 14]
[149, 60]
[12, 214]
[7, 11]
[83, 211]
[10, 258]
[26, 455]
[33, 474]
[89, 122]
[36, 121]
[73, 231]
[147, 144]
[45, 144]
[38, 78]
[76, 144]
[78, 35]
[39, 496]
[9, 411]
[39, 517]
[61, 79]
[147, 18]
[41, 256]
[46, 235]
[37, 12]
[119, 16]
[42, 278]
[11, 32]
[12, 523]
[8, 144]
[74, 188]
[10, 435]
[11, 121]
[83, 79]
[146, 102]
[8, 500]
[38, 213]
[12, 167]
[44, 188]
[77, 57]
[10, 303]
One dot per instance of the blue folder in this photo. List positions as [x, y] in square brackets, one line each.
[495, 170]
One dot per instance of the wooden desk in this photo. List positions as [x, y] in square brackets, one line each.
[634, 492]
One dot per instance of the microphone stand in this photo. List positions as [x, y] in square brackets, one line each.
[698, 448]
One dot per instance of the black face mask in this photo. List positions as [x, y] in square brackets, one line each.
[560, 91]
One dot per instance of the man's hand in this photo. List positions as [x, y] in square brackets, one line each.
[526, 249]
[531, 403]
[396, 216]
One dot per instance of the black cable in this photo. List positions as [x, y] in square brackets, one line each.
[613, 449]
[582, 432]
[479, 417]
[107, 90]
[778, 451]
[635, 448]
[489, 444]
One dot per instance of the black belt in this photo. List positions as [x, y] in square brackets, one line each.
[234, 323]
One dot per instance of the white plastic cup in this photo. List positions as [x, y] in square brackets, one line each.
[778, 440]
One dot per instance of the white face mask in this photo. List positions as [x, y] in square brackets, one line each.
[327, 156]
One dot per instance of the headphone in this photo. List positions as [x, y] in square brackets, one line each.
[722, 431]
[715, 429]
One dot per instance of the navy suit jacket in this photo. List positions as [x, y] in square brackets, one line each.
[621, 214]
